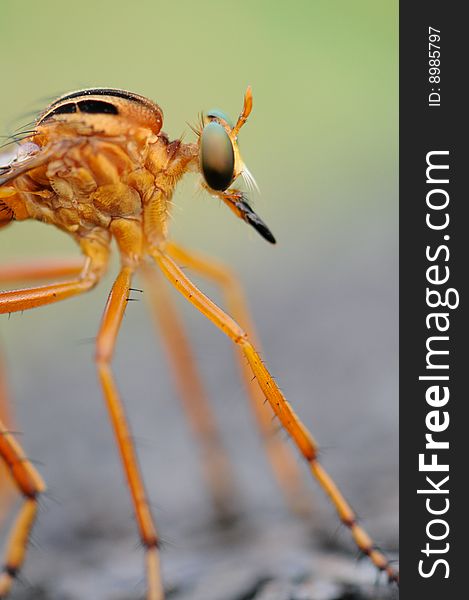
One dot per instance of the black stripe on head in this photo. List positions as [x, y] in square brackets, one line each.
[65, 109]
[97, 107]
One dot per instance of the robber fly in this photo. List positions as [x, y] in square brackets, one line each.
[98, 166]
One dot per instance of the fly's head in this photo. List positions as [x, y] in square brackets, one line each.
[220, 163]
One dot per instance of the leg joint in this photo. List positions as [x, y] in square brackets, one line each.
[349, 522]
[151, 542]
[103, 361]
[11, 570]
[242, 339]
[27, 479]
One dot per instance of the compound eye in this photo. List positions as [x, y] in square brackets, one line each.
[217, 157]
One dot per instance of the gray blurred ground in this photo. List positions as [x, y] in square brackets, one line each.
[329, 330]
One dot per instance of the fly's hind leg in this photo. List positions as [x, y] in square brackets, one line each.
[215, 462]
[282, 460]
[303, 439]
[30, 484]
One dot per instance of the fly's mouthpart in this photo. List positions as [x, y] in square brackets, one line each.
[253, 219]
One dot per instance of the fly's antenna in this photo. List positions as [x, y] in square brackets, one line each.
[243, 117]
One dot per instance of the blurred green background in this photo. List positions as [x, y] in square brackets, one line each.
[322, 144]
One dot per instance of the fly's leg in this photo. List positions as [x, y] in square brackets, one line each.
[283, 462]
[96, 253]
[216, 465]
[18, 300]
[105, 345]
[30, 484]
[285, 413]
[24, 299]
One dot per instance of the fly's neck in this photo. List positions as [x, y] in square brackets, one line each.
[168, 162]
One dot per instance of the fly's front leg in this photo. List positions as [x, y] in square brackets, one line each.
[284, 464]
[285, 413]
[105, 345]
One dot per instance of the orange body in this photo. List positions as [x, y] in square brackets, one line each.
[100, 177]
